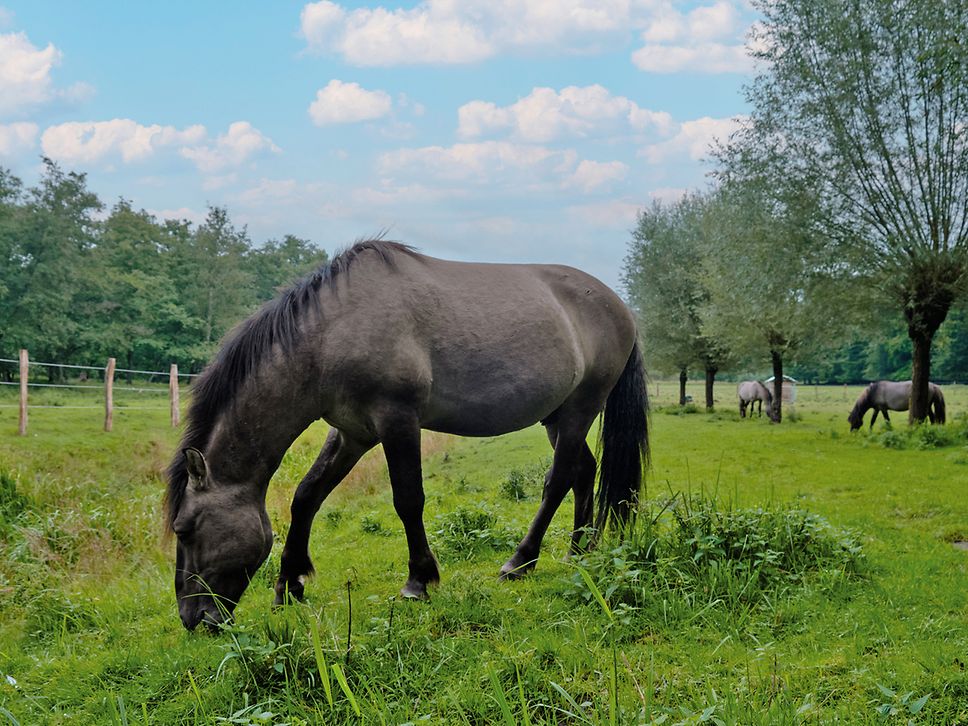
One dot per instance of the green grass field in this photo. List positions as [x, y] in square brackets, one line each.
[846, 603]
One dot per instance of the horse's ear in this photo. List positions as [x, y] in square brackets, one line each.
[197, 469]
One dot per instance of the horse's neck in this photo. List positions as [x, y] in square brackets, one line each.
[269, 412]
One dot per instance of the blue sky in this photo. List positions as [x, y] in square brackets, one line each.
[497, 130]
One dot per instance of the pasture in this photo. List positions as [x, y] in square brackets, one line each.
[870, 626]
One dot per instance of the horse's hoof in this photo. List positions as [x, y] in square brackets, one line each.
[512, 571]
[414, 591]
[288, 593]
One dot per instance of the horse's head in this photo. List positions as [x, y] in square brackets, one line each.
[223, 536]
[855, 419]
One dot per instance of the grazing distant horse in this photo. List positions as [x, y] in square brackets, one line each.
[381, 343]
[752, 393]
[895, 396]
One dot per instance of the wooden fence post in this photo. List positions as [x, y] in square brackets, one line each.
[173, 393]
[109, 395]
[24, 374]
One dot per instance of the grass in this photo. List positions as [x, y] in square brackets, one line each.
[777, 575]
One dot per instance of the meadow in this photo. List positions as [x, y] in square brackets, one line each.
[776, 575]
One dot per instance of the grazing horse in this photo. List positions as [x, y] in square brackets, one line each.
[381, 343]
[752, 393]
[895, 396]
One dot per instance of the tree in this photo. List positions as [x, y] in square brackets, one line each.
[49, 265]
[771, 282]
[866, 102]
[277, 264]
[663, 284]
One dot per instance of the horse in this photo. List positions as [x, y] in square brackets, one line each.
[895, 396]
[752, 393]
[381, 343]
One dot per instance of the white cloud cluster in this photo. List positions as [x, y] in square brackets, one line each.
[105, 141]
[545, 115]
[340, 103]
[445, 31]
[693, 139]
[90, 141]
[240, 143]
[16, 138]
[707, 39]
[25, 75]
[479, 162]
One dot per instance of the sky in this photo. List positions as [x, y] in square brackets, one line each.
[490, 130]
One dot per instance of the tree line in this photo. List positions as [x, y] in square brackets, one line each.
[81, 283]
[839, 209]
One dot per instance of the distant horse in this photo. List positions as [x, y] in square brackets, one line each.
[895, 396]
[752, 393]
[381, 343]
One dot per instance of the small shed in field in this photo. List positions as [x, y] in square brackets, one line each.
[789, 388]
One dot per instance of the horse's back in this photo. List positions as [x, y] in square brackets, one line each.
[488, 347]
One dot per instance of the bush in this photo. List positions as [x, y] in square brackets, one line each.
[520, 484]
[699, 554]
[924, 436]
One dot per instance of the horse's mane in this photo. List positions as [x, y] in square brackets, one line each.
[249, 346]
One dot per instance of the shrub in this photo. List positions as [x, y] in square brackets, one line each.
[696, 551]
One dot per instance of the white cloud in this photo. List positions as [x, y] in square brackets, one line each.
[240, 143]
[668, 194]
[708, 58]
[546, 114]
[481, 163]
[122, 139]
[16, 138]
[25, 73]
[340, 103]
[591, 175]
[693, 139]
[89, 141]
[447, 31]
[707, 39]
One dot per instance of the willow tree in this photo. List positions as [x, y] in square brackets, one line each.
[663, 281]
[865, 102]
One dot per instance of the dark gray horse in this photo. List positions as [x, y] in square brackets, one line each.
[895, 396]
[752, 393]
[381, 343]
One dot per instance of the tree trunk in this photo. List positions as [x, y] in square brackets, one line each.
[710, 380]
[923, 320]
[920, 375]
[683, 376]
[777, 386]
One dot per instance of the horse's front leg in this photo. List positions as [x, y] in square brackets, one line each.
[338, 455]
[400, 435]
[874, 418]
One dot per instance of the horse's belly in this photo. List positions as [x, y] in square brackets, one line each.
[488, 405]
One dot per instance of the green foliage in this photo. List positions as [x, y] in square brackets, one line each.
[470, 531]
[922, 436]
[76, 289]
[525, 482]
[12, 502]
[733, 559]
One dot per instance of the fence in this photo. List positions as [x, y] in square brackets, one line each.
[109, 371]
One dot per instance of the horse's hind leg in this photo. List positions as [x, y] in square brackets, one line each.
[571, 466]
[339, 454]
[742, 408]
[400, 436]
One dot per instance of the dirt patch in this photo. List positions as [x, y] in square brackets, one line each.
[960, 544]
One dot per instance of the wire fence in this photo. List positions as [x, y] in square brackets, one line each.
[106, 390]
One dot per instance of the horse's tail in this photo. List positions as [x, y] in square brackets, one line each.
[937, 403]
[624, 441]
